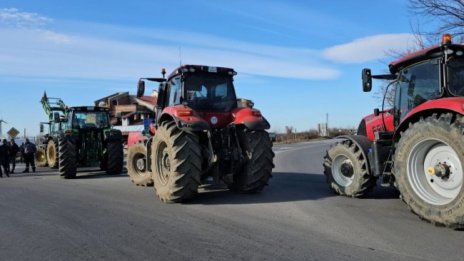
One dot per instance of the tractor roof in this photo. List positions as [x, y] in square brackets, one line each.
[421, 55]
[88, 108]
[202, 68]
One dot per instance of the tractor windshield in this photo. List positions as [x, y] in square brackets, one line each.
[94, 119]
[210, 92]
[455, 76]
[416, 85]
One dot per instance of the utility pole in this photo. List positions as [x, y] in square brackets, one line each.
[327, 123]
[1, 123]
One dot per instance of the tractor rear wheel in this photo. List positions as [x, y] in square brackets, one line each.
[114, 154]
[40, 158]
[345, 170]
[176, 163]
[52, 157]
[429, 163]
[137, 165]
[257, 170]
[67, 159]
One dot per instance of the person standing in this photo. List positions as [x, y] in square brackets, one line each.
[21, 152]
[4, 158]
[29, 151]
[13, 152]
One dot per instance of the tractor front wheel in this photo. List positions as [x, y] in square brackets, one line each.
[429, 162]
[67, 165]
[257, 170]
[137, 165]
[40, 158]
[345, 169]
[52, 157]
[176, 163]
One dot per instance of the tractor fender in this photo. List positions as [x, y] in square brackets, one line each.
[251, 118]
[363, 143]
[135, 137]
[189, 123]
[444, 105]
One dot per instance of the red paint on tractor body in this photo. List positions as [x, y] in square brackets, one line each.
[376, 123]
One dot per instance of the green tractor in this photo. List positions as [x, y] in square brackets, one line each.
[84, 138]
[47, 145]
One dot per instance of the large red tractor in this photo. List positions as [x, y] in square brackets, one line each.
[418, 146]
[202, 134]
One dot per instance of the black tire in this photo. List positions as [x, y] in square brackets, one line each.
[67, 166]
[137, 165]
[115, 154]
[422, 191]
[257, 170]
[346, 170]
[176, 163]
[40, 158]
[52, 155]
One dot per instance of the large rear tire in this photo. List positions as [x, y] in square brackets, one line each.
[52, 157]
[176, 163]
[257, 170]
[137, 165]
[346, 170]
[115, 154]
[429, 162]
[67, 159]
[40, 158]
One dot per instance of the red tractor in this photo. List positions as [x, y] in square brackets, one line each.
[418, 145]
[202, 134]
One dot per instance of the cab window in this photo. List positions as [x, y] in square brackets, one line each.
[416, 85]
[174, 92]
[455, 76]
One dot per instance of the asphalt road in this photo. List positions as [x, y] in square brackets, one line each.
[98, 217]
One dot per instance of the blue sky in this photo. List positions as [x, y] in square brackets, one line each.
[297, 60]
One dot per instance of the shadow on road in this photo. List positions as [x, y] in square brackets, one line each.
[380, 192]
[31, 174]
[283, 187]
[97, 174]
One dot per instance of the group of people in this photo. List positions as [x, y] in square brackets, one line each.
[8, 152]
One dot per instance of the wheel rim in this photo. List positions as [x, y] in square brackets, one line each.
[51, 152]
[139, 163]
[342, 170]
[163, 163]
[40, 156]
[435, 172]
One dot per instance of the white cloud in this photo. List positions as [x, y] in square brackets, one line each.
[369, 48]
[13, 17]
[44, 53]
[56, 37]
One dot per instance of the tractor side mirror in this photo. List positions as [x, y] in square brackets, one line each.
[41, 128]
[161, 95]
[367, 80]
[56, 117]
[140, 88]
[376, 112]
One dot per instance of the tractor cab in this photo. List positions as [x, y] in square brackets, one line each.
[202, 88]
[88, 117]
[205, 92]
[429, 74]
[210, 92]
